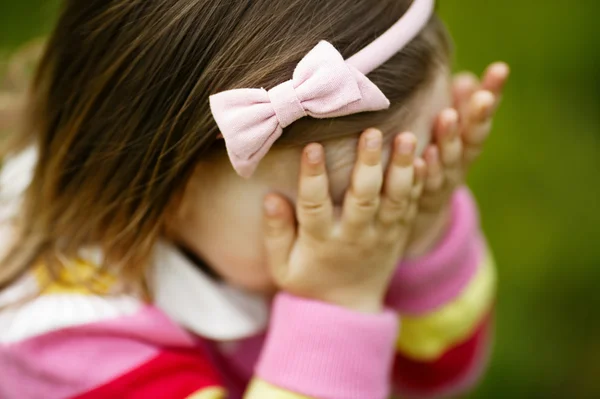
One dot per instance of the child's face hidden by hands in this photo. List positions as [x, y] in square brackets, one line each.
[221, 216]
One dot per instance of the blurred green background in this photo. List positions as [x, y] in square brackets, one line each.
[538, 184]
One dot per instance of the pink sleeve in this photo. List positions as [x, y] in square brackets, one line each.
[446, 302]
[327, 352]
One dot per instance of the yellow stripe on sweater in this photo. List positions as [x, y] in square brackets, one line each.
[260, 389]
[209, 393]
[426, 338]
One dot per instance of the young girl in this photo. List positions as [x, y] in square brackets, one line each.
[137, 263]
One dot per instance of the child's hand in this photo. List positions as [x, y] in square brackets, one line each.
[458, 138]
[346, 260]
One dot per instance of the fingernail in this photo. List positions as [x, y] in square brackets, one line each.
[432, 154]
[420, 168]
[315, 154]
[373, 141]
[453, 117]
[486, 105]
[271, 206]
[452, 120]
[406, 146]
[502, 69]
[466, 80]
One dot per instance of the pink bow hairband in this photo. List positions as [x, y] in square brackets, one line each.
[323, 85]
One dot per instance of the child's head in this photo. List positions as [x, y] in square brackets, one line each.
[121, 116]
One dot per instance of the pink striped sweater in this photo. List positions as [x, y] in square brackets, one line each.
[200, 339]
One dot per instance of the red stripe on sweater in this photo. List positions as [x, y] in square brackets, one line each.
[454, 370]
[173, 374]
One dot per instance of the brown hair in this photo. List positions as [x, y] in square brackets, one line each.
[119, 107]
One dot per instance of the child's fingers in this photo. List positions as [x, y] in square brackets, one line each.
[435, 176]
[479, 124]
[450, 146]
[280, 233]
[362, 199]
[480, 112]
[447, 136]
[420, 168]
[463, 87]
[395, 200]
[314, 207]
[495, 78]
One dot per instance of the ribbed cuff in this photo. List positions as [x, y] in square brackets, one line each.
[422, 285]
[328, 352]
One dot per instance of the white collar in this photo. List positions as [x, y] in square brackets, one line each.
[208, 308]
[185, 293]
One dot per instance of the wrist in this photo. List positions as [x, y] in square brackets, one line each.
[369, 303]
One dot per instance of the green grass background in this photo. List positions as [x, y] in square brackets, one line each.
[538, 184]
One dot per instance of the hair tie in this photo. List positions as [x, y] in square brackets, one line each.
[323, 85]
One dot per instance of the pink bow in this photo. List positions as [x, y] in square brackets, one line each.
[323, 86]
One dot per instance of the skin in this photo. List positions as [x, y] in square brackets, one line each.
[346, 259]
[225, 224]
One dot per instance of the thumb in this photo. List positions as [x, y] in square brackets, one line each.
[279, 234]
